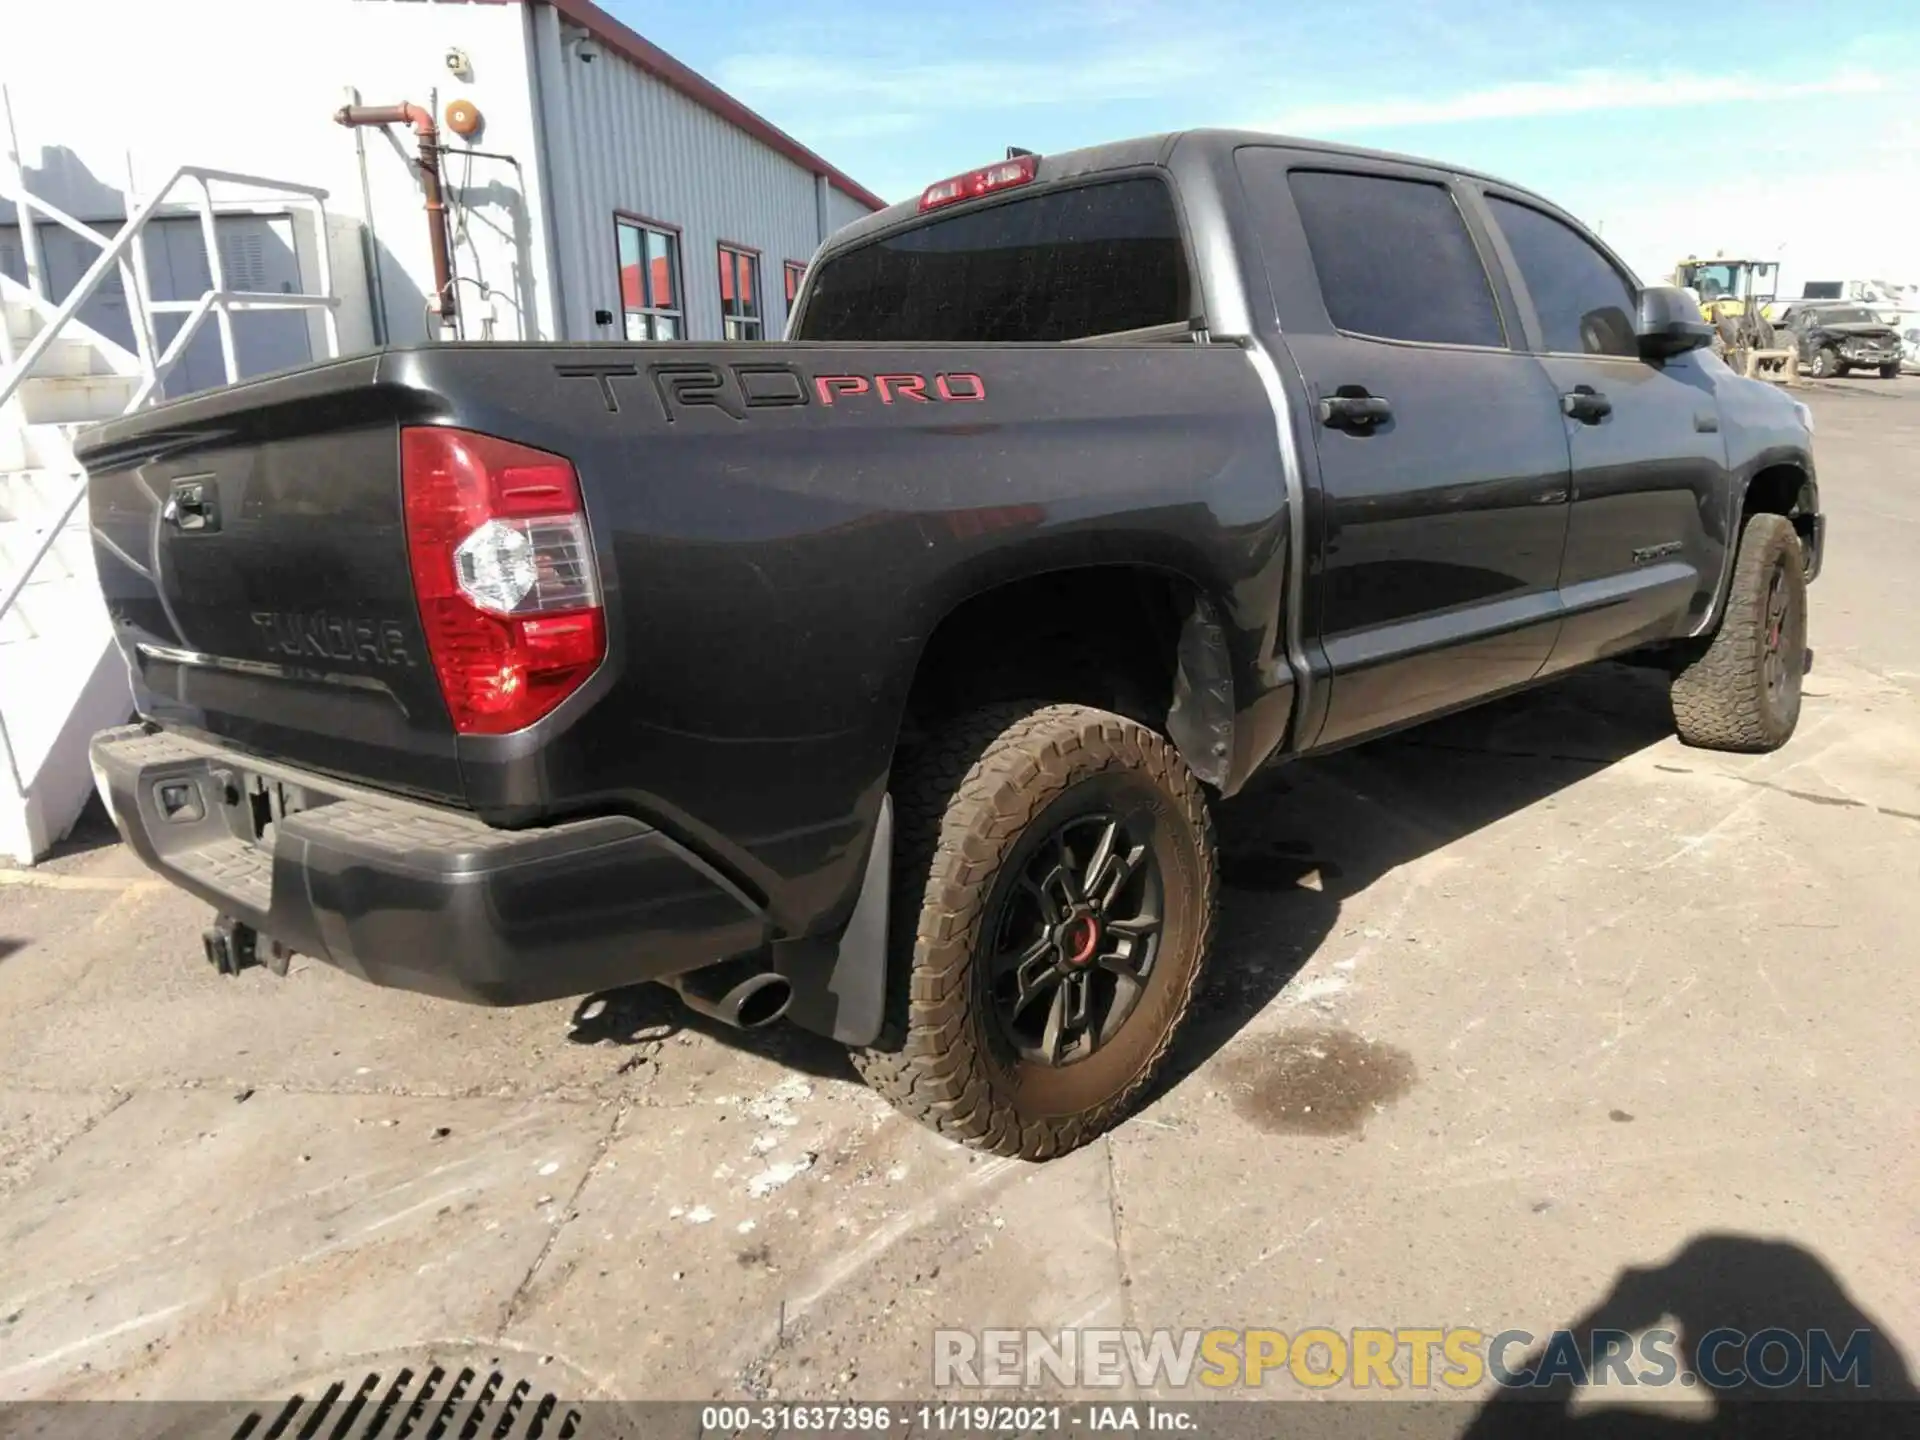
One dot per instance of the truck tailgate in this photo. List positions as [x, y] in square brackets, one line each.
[253, 556]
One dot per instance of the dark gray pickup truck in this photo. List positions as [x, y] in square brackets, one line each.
[882, 678]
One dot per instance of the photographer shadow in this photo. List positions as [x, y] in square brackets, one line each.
[1719, 1283]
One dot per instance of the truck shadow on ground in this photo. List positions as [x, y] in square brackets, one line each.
[1712, 1299]
[1295, 846]
[1298, 844]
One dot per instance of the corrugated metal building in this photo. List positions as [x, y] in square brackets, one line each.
[654, 172]
[607, 191]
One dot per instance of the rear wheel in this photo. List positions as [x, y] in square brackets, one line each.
[1054, 904]
[1741, 690]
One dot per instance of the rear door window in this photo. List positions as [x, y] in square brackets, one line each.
[1585, 305]
[1063, 265]
[1395, 259]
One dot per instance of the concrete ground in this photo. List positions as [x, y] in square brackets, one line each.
[1501, 1008]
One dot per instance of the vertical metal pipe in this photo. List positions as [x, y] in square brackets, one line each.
[329, 322]
[549, 264]
[29, 230]
[428, 135]
[369, 234]
[145, 330]
[570, 261]
[445, 305]
[216, 272]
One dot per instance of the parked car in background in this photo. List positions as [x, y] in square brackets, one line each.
[1837, 339]
[1910, 348]
[1884, 298]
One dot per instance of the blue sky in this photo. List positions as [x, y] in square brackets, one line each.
[1722, 124]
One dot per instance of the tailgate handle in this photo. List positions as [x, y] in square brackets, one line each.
[192, 505]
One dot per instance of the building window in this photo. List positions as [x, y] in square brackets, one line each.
[739, 293]
[796, 271]
[650, 302]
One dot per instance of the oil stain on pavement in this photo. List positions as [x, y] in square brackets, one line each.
[1314, 1081]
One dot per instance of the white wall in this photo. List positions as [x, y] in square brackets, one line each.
[108, 94]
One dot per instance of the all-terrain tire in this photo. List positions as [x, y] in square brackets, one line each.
[972, 804]
[1721, 695]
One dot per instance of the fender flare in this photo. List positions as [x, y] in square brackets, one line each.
[840, 982]
[1200, 720]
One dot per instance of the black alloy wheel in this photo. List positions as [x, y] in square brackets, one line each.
[1076, 936]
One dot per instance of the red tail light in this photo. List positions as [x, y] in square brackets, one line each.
[504, 572]
[984, 181]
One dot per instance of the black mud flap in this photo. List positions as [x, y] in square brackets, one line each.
[840, 987]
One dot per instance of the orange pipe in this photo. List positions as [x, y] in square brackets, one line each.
[421, 119]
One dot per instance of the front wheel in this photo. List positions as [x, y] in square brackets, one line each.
[1741, 690]
[1826, 363]
[1053, 905]
[1890, 371]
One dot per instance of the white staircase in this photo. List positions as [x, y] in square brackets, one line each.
[61, 676]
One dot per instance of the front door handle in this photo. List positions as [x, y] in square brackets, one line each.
[1354, 409]
[1585, 404]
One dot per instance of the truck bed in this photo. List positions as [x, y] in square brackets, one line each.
[744, 501]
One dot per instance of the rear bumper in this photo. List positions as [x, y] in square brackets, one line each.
[415, 897]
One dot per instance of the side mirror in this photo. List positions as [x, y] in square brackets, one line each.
[1669, 323]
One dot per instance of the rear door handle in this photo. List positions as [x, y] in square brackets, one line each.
[1585, 404]
[1349, 411]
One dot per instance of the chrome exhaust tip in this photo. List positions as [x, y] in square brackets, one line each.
[735, 993]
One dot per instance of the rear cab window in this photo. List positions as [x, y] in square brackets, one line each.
[1395, 259]
[1066, 264]
[1390, 255]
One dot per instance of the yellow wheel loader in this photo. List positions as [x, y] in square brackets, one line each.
[1735, 296]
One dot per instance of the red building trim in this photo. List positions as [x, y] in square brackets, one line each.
[647, 220]
[669, 71]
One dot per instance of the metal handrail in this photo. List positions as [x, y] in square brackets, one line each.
[129, 239]
[126, 253]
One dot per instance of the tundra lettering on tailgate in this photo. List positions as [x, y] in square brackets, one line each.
[303, 634]
[733, 390]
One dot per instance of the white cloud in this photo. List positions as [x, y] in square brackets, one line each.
[952, 87]
[1579, 93]
[1747, 216]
